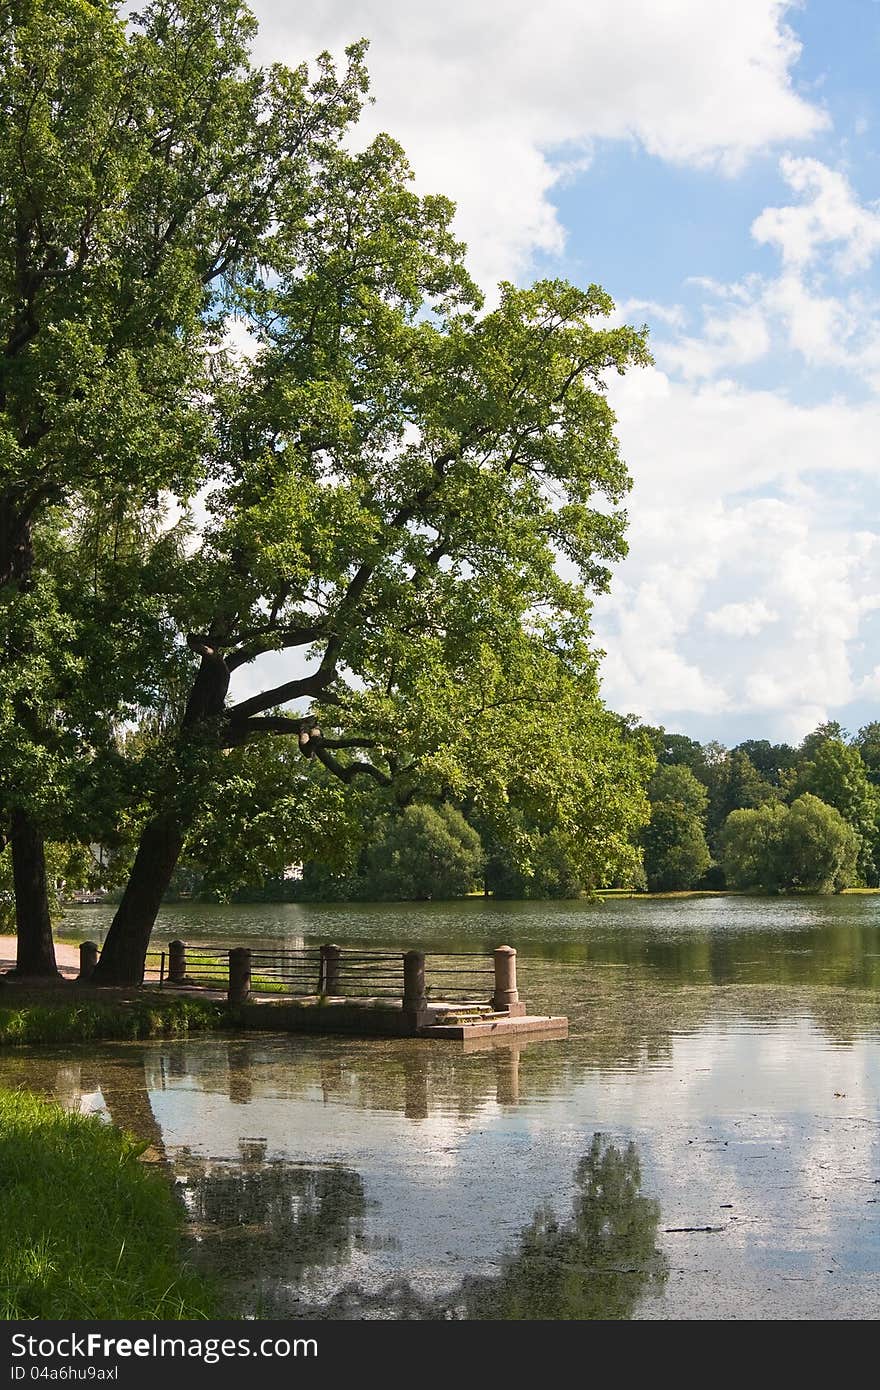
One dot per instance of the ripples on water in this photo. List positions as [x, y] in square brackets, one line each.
[723, 1072]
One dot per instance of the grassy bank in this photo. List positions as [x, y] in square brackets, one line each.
[86, 1229]
[36, 1020]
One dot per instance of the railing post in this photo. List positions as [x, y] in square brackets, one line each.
[239, 975]
[506, 998]
[414, 996]
[176, 962]
[88, 959]
[328, 980]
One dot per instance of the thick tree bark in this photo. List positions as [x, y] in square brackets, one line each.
[36, 951]
[124, 952]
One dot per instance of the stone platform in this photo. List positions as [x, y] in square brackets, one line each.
[386, 1018]
[548, 1026]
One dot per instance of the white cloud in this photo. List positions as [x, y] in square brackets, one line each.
[775, 548]
[741, 619]
[829, 215]
[801, 309]
[729, 340]
[631, 310]
[486, 98]
[726, 539]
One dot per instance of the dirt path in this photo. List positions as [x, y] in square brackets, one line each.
[67, 956]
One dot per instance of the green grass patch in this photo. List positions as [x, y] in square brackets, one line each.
[85, 1020]
[86, 1229]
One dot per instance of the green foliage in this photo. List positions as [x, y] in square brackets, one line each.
[426, 852]
[267, 808]
[678, 784]
[142, 159]
[676, 855]
[772, 760]
[88, 1230]
[867, 741]
[423, 852]
[806, 846]
[836, 774]
[547, 866]
[734, 784]
[677, 749]
[811, 744]
[751, 847]
[675, 852]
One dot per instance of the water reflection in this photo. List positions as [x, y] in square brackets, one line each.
[336, 1178]
[596, 1265]
[261, 1225]
[733, 1043]
[816, 940]
[599, 1264]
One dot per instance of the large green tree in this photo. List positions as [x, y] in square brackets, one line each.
[836, 774]
[676, 854]
[807, 846]
[394, 496]
[391, 478]
[140, 163]
[393, 492]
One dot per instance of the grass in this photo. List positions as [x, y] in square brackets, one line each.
[86, 1229]
[86, 1020]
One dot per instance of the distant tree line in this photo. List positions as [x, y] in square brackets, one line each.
[761, 815]
[765, 815]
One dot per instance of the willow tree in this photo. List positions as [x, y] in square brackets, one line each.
[411, 497]
[140, 165]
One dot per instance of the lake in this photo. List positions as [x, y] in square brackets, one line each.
[706, 1143]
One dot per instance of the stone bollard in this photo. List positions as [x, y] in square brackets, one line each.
[328, 981]
[414, 998]
[176, 962]
[239, 975]
[506, 999]
[88, 959]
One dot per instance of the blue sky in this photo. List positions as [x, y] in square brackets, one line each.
[717, 169]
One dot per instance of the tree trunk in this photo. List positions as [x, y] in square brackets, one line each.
[36, 951]
[125, 949]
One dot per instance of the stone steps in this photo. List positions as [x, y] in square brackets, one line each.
[461, 1014]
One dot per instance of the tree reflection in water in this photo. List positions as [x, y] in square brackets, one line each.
[261, 1225]
[598, 1264]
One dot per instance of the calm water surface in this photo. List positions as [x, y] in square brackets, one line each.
[705, 1144]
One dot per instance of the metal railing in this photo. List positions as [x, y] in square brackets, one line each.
[338, 972]
[459, 976]
[156, 967]
[295, 971]
[368, 975]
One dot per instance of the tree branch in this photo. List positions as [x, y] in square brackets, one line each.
[346, 772]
